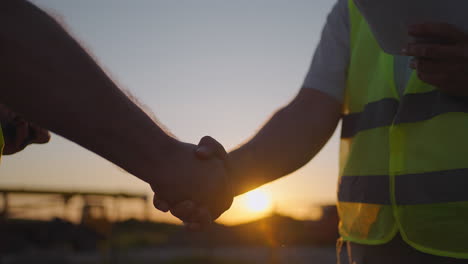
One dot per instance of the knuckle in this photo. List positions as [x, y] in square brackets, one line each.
[425, 51]
[429, 67]
[421, 66]
[464, 50]
[427, 78]
[422, 76]
[458, 68]
[177, 213]
[206, 139]
[155, 200]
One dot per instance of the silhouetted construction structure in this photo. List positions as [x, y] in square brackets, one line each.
[92, 201]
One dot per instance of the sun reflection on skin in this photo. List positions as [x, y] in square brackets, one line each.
[257, 201]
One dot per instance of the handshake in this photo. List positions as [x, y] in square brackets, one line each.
[194, 183]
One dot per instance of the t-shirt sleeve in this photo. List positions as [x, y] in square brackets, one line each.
[328, 70]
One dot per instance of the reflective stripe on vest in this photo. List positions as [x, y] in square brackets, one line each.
[384, 112]
[403, 163]
[376, 189]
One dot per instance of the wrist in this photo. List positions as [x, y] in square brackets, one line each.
[240, 171]
[154, 156]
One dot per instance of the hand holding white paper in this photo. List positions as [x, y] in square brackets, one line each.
[389, 19]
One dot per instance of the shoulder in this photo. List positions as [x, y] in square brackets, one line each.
[342, 6]
[338, 22]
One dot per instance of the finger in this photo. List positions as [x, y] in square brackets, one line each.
[193, 226]
[222, 207]
[225, 198]
[445, 82]
[200, 220]
[22, 134]
[209, 147]
[455, 86]
[442, 31]
[39, 134]
[183, 210]
[436, 51]
[161, 205]
[429, 66]
[439, 80]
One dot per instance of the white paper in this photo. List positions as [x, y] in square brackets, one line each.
[389, 19]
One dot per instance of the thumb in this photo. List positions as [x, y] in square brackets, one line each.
[210, 148]
[159, 204]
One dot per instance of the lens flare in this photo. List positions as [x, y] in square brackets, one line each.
[257, 201]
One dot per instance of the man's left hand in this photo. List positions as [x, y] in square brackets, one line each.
[440, 56]
[19, 133]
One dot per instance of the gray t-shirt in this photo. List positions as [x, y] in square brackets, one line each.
[329, 67]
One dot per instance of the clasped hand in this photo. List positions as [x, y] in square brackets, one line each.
[195, 185]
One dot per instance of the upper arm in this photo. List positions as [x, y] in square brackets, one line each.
[328, 70]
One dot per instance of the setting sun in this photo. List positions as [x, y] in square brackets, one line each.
[257, 201]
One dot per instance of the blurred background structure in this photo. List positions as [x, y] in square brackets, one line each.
[86, 227]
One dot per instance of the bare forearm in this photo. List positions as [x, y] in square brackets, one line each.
[50, 79]
[288, 140]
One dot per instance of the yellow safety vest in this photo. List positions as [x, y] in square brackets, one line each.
[403, 161]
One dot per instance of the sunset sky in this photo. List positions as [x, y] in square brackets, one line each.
[204, 67]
